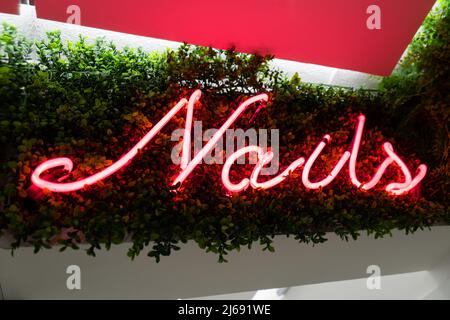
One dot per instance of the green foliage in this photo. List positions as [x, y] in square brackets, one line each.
[92, 102]
[417, 96]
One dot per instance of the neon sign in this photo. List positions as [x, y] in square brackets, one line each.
[187, 165]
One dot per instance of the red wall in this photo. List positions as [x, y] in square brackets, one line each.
[9, 6]
[326, 32]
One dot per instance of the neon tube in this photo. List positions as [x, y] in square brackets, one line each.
[392, 157]
[187, 166]
[396, 185]
[207, 148]
[422, 172]
[227, 166]
[186, 153]
[265, 159]
[355, 149]
[123, 161]
[380, 171]
[310, 162]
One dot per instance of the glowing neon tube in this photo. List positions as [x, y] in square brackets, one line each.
[187, 165]
[380, 171]
[392, 157]
[355, 149]
[219, 133]
[265, 159]
[233, 187]
[310, 162]
[186, 153]
[397, 185]
[123, 161]
[422, 172]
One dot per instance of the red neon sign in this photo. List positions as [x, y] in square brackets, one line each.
[187, 165]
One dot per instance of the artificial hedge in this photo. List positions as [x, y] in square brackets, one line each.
[92, 102]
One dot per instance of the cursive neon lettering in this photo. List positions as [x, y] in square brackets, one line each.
[187, 165]
[219, 134]
[331, 176]
[355, 149]
[265, 158]
[68, 165]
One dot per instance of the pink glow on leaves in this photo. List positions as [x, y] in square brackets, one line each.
[218, 135]
[305, 174]
[123, 161]
[264, 158]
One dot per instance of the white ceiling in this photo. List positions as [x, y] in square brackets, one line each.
[193, 273]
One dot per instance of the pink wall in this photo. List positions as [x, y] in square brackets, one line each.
[9, 6]
[325, 32]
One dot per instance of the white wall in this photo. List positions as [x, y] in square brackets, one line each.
[441, 275]
[193, 273]
[411, 286]
[430, 284]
